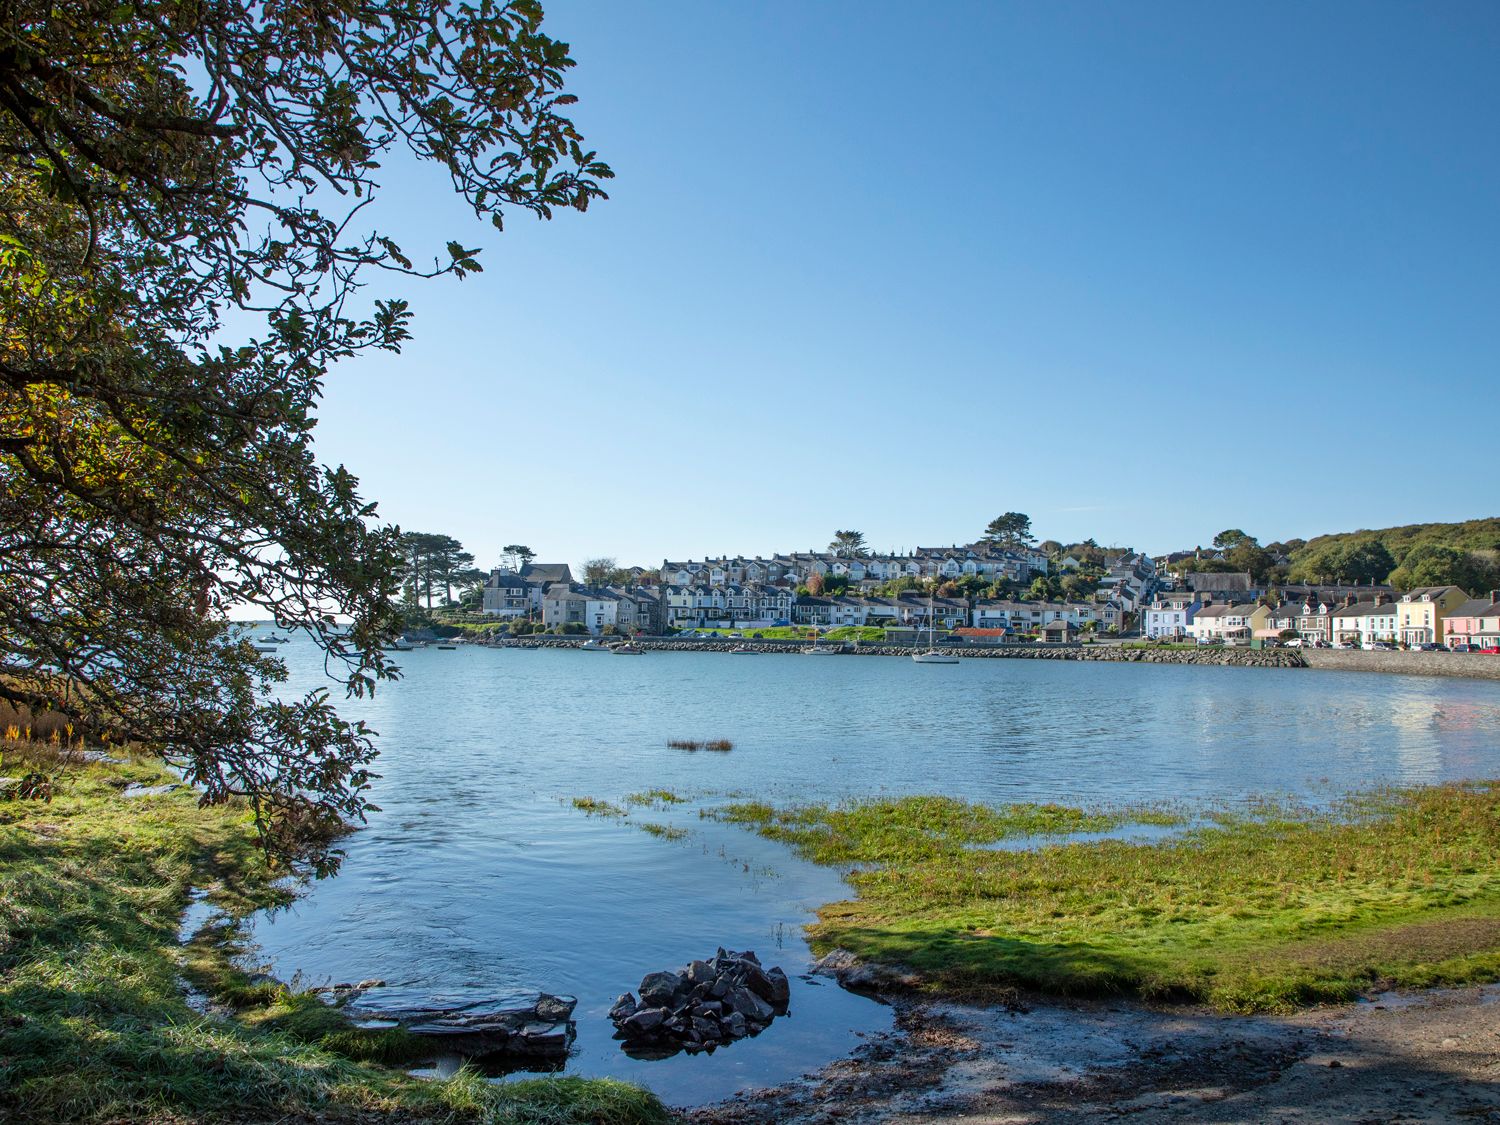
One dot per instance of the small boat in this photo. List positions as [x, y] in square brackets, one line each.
[745, 650]
[593, 646]
[399, 646]
[627, 649]
[261, 646]
[932, 655]
[273, 639]
[450, 648]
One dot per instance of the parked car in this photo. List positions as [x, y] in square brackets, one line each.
[1461, 647]
[1295, 642]
[1430, 646]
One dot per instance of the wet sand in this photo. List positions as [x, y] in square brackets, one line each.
[1429, 1056]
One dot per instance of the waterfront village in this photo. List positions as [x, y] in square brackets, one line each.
[1154, 599]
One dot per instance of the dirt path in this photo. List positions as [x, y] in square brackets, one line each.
[1432, 1056]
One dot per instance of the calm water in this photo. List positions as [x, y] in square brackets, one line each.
[479, 879]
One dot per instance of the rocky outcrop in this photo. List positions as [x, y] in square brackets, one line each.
[543, 1029]
[702, 1007]
[865, 977]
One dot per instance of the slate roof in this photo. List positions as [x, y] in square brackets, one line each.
[547, 572]
[1213, 581]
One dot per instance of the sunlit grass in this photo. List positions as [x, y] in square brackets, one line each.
[94, 1023]
[593, 806]
[661, 797]
[1271, 906]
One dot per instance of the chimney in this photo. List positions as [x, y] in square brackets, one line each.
[1381, 598]
[1494, 596]
[1349, 599]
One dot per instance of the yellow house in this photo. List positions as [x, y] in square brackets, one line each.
[1420, 613]
[1259, 621]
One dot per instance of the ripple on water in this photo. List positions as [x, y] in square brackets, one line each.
[478, 878]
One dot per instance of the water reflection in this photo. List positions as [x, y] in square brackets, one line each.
[479, 880]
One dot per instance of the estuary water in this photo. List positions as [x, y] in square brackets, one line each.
[479, 879]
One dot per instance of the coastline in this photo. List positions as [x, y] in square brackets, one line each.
[1444, 664]
[1402, 1056]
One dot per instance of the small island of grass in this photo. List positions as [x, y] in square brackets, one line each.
[1278, 906]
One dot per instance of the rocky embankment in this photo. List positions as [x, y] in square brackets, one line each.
[1243, 657]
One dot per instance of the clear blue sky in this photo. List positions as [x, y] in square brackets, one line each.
[1140, 271]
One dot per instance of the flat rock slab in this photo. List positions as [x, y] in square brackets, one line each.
[543, 1029]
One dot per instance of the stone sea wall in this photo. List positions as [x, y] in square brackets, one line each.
[1471, 665]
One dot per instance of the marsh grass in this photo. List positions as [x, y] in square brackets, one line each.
[593, 806]
[912, 829]
[662, 831]
[661, 797]
[1267, 907]
[94, 1023]
[722, 745]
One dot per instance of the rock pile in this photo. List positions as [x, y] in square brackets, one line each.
[706, 1005]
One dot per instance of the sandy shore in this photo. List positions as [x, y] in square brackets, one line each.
[1430, 1056]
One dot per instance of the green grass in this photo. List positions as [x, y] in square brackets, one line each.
[662, 831]
[593, 806]
[768, 633]
[1269, 908]
[94, 1025]
[870, 634]
[661, 797]
[909, 829]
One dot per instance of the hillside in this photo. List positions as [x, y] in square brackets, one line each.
[1470, 535]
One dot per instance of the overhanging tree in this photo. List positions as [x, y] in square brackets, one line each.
[181, 261]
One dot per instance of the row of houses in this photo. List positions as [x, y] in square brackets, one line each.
[797, 568]
[1428, 615]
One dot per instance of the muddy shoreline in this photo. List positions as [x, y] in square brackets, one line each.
[1420, 1056]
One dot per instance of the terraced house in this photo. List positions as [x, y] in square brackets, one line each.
[1361, 623]
[1420, 613]
[1465, 624]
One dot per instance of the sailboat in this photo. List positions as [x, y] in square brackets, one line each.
[932, 655]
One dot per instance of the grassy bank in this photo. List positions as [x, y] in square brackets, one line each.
[1266, 910]
[94, 1022]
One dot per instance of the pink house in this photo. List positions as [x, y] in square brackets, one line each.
[1476, 622]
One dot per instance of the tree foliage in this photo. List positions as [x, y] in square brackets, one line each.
[604, 571]
[183, 241]
[513, 556]
[1432, 565]
[848, 545]
[1013, 529]
[1230, 538]
[1352, 560]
